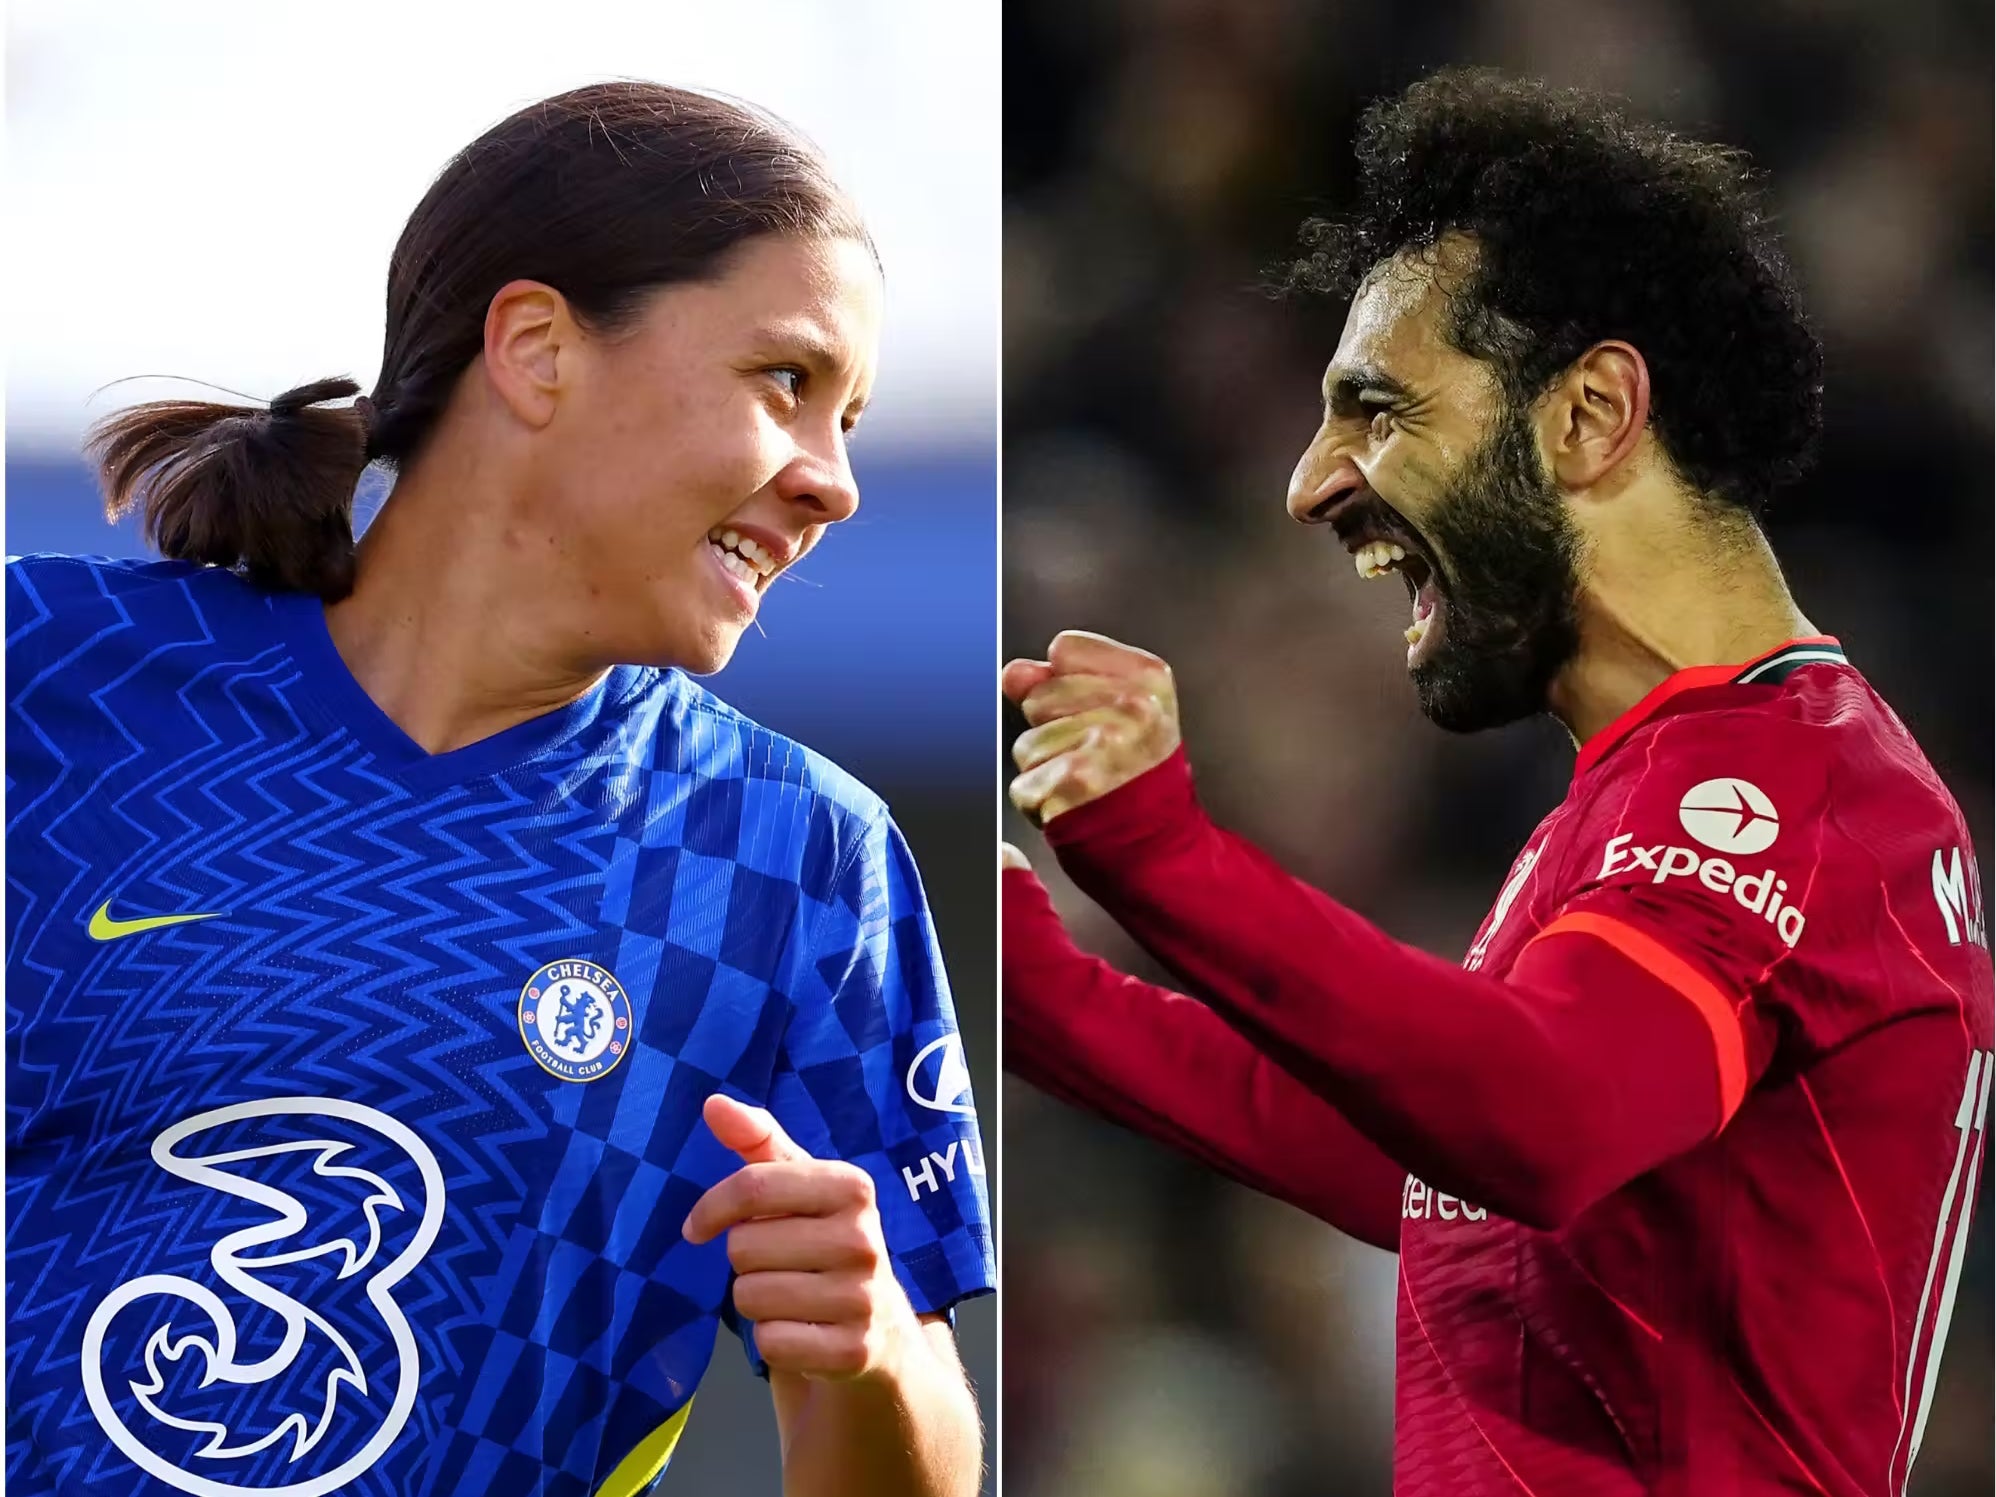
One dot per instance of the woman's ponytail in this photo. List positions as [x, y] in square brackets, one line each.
[267, 493]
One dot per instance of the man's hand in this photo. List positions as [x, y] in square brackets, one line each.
[811, 1265]
[1101, 712]
[1010, 857]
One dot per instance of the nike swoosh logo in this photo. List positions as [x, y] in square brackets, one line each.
[104, 928]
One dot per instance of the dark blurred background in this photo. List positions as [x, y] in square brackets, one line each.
[1167, 1334]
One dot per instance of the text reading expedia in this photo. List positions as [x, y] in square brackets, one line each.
[1757, 893]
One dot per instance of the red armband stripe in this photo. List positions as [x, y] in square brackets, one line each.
[1665, 965]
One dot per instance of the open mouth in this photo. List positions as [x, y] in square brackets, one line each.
[1382, 543]
[744, 558]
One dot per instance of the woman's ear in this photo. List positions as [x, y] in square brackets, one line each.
[528, 328]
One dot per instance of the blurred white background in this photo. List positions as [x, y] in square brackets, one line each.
[212, 188]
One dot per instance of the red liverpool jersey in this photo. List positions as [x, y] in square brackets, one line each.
[1683, 1161]
[1765, 1312]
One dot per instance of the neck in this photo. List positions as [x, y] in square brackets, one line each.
[1712, 595]
[443, 629]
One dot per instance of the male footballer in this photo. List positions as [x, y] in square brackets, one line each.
[1679, 1162]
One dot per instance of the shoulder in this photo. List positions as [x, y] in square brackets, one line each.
[70, 596]
[62, 578]
[704, 736]
[1807, 814]
[794, 826]
[730, 788]
[1823, 745]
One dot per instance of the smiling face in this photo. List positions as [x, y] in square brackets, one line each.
[702, 450]
[1424, 469]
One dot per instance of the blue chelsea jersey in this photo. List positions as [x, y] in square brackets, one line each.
[353, 1093]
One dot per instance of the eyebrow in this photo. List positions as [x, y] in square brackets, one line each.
[816, 348]
[1343, 387]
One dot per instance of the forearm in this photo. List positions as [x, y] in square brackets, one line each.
[1168, 1067]
[1530, 1097]
[908, 1430]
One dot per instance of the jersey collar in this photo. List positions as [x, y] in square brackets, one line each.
[345, 704]
[1770, 669]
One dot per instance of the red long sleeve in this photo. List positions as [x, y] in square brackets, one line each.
[1533, 1096]
[1168, 1067]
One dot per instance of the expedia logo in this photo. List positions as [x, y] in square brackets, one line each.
[1757, 893]
[1730, 816]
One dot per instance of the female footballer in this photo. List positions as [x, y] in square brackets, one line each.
[430, 1013]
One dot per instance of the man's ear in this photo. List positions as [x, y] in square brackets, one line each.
[1592, 419]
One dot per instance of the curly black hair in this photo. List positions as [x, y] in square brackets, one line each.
[1590, 224]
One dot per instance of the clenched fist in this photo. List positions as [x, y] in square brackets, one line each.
[1101, 712]
[811, 1265]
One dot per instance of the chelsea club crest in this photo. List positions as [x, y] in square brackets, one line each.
[575, 1019]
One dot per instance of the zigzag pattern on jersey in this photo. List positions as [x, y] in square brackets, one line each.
[270, 1002]
[367, 944]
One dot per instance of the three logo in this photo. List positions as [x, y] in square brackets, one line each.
[190, 1322]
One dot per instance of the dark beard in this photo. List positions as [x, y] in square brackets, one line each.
[1511, 586]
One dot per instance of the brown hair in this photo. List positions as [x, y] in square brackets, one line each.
[605, 193]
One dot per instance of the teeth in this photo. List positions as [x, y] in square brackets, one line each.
[1377, 558]
[733, 545]
[740, 567]
[1417, 631]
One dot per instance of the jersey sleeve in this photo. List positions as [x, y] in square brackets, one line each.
[1705, 861]
[872, 1071]
[1170, 1068]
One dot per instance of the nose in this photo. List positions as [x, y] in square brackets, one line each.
[822, 484]
[1323, 476]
